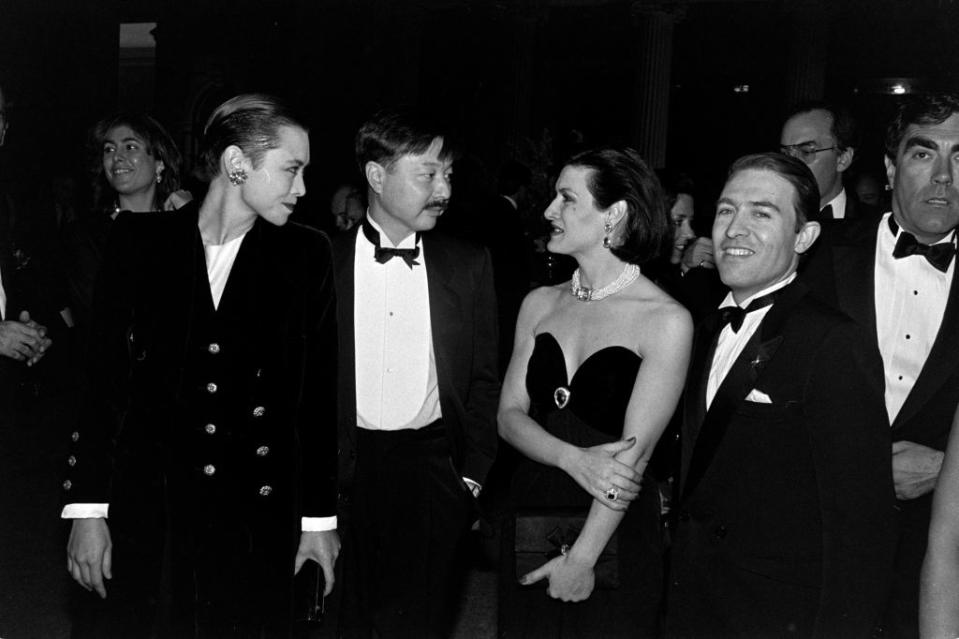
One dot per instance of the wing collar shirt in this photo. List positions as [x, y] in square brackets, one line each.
[396, 382]
[911, 298]
[731, 343]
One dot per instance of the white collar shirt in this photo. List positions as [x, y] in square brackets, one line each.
[731, 343]
[838, 205]
[396, 381]
[911, 297]
[3, 300]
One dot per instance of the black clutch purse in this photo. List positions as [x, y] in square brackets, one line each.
[542, 535]
[308, 600]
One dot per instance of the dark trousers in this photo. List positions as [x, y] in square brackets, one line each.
[410, 515]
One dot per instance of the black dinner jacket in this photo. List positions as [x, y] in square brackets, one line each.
[792, 499]
[842, 273]
[463, 320]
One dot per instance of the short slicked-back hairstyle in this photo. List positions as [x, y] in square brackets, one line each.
[844, 126]
[806, 201]
[157, 143]
[931, 108]
[249, 121]
[620, 174]
[394, 132]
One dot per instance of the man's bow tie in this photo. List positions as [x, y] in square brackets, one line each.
[734, 315]
[384, 255]
[939, 255]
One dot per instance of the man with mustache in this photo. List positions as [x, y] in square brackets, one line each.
[786, 510]
[896, 277]
[418, 385]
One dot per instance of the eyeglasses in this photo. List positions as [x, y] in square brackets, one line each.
[806, 151]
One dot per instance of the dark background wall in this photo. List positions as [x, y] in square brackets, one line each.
[528, 78]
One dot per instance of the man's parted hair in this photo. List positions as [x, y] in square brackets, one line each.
[394, 132]
[250, 121]
[806, 200]
[845, 128]
[930, 108]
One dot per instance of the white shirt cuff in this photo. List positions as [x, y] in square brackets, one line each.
[85, 511]
[317, 524]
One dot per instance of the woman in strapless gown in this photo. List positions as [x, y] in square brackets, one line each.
[597, 369]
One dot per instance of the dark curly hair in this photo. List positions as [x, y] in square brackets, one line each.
[930, 108]
[158, 144]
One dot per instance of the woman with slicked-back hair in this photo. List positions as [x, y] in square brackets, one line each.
[202, 475]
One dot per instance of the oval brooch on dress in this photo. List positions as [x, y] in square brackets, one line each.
[561, 397]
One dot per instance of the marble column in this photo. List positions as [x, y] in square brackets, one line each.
[806, 57]
[653, 52]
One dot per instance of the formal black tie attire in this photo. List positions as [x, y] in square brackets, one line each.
[404, 505]
[785, 513]
[852, 271]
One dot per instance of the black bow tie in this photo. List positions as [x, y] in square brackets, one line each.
[734, 315]
[826, 213]
[939, 255]
[384, 255]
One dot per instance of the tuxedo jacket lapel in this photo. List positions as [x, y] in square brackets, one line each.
[942, 360]
[441, 273]
[854, 268]
[343, 257]
[741, 379]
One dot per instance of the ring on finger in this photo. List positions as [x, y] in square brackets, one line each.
[612, 493]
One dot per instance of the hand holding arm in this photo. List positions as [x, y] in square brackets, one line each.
[23, 340]
[915, 469]
[90, 554]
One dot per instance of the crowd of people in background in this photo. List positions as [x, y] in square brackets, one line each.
[677, 413]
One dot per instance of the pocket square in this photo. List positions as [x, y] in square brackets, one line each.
[759, 397]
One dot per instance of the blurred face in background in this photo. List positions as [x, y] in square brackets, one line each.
[347, 208]
[682, 215]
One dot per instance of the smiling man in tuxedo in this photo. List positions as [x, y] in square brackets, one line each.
[418, 385]
[786, 510]
[896, 276]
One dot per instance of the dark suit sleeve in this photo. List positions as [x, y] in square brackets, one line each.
[483, 396]
[316, 424]
[108, 359]
[852, 455]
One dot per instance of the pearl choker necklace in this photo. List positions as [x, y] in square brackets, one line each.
[583, 294]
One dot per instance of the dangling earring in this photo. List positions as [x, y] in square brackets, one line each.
[159, 177]
[237, 177]
[608, 227]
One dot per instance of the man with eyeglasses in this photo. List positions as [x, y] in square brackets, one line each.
[824, 137]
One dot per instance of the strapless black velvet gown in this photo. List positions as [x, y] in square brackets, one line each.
[598, 394]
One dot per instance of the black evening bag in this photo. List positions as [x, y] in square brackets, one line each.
[308, 600]
[543, 535]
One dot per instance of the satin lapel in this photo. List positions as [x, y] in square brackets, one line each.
[854, 267]
[741, 379]
[442, 272]
[344, 254]
[942, 360]
[694, 401]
